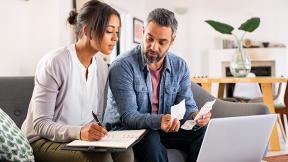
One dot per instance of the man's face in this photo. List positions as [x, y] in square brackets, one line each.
[157, 40]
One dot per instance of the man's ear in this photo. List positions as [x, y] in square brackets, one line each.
[143, 34]
[172, 39]
[143, 30]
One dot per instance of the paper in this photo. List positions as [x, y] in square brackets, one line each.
[114, 139]
[178, 111]
[205, 109]
[189, 124]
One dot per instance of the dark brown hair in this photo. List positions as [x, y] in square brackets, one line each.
[95, 15]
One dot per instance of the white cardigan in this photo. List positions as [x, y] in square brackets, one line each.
[51, 81]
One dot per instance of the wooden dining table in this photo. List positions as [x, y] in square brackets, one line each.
[266, 84]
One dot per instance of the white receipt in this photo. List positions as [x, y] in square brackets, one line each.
[189, 124]
[178, 111]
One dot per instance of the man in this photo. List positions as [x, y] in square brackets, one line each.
[145, 82]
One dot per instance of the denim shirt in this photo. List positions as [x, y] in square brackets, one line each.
[130, 95]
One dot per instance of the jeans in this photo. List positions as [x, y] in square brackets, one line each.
[153, 146]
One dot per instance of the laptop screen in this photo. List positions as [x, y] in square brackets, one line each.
[237, 139]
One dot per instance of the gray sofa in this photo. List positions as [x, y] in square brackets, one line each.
[15, 94]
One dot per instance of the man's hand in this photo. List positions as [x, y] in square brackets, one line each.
[169, 125]
[175, 125]
[92, 132]
[203, 120]
[166, 122]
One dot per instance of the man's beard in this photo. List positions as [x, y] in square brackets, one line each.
[152, 58]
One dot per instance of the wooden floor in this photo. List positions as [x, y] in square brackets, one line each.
[279, 158]
[283, 146]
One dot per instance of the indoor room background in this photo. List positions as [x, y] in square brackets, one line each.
[31, 28]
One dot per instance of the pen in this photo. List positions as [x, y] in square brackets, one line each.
[96, 119]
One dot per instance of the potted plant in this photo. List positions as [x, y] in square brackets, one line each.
[240, 65]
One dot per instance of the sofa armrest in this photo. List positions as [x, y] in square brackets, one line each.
[227, 109]
[230, 109]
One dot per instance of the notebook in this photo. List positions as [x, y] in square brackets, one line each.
[114, 141]
[237, 139]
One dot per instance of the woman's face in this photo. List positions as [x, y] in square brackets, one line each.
[110, 36]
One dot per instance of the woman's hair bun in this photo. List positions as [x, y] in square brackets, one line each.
[72, 17]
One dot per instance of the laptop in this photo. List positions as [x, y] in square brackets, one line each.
[237, 139]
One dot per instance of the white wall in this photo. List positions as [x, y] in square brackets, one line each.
[128, 9]
[194, 41]
[29, 29]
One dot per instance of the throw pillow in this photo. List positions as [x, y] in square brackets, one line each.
[14, 145]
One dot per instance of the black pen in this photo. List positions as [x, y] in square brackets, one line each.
[96, 119]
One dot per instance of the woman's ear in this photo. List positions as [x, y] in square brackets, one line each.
[85, 31]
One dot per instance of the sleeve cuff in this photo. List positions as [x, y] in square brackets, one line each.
[156, 122]
[74, 132]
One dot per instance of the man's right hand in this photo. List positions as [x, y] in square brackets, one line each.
[92, 132]
[169, 125]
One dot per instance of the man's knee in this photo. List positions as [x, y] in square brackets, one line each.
[152, 138]
[150, 141]
[153, 148]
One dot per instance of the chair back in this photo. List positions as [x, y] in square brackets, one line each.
[286, 96]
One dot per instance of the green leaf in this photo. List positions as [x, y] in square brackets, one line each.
[220, 27]
[250, 25]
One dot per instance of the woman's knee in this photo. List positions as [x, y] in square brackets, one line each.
[45, 150]
[126, 156]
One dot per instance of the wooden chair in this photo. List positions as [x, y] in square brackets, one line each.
[282, 110]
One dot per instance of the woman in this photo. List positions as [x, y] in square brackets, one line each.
[70, 83]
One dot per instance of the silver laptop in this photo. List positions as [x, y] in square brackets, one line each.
[237, 139]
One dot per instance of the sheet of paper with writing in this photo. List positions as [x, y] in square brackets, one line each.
[114, 139]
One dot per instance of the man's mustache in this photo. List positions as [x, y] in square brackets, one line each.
[151, 52]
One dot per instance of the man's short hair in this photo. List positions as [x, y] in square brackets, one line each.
[163, 17]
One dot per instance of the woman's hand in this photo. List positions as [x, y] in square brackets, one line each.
[92, 132]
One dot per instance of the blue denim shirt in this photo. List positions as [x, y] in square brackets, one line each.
[130, 95]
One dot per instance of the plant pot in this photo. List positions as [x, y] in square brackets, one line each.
[240, 65]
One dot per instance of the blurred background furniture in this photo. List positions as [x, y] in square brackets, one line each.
[247, 91]
[267, 91]
[282, 109]
[251, 92]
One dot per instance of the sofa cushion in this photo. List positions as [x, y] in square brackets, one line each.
[14, 146]
[15, 95]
